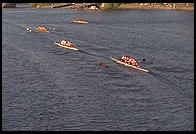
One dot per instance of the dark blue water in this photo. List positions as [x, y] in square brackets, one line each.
[45, 87]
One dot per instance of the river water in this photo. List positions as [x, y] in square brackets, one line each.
[45, 87]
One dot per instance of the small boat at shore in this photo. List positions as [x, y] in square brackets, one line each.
[128, 65]
[72, 48]
[80, 21]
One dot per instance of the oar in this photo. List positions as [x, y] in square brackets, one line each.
[144, 60]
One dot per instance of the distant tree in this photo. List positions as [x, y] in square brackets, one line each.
[111, 5]
[108, 5]
[116, 5]
[40, 4]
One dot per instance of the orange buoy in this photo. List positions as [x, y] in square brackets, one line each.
[105, 66]
[99, 63]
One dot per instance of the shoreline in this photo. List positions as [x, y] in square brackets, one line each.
[129, 8]
[107, 6]
[153, 8]
[120, 8]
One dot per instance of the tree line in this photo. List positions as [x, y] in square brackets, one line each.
[111, 5]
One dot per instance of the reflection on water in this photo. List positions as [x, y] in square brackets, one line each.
[23, 5]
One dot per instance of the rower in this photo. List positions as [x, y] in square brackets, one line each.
[63, 42]
[126, 59]
[135, 63]
[41, 28]
[123, 58]
[132, 61]
[69, 44]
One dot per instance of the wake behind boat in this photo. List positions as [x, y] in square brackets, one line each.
[128, 65]
[72, 48]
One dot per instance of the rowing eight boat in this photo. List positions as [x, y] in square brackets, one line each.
[73, 48]
[41, 30]
[79, 21]
[123, 63]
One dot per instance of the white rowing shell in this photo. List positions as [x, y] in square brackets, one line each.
[73, 48]
[83, 22]
[123, 63]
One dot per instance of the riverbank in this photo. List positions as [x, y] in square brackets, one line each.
[159, 7]
[105, 6]
[130, 7]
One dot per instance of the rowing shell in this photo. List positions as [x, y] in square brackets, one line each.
[123, 63]
[45, 31]
[73, 48]
[77, 21]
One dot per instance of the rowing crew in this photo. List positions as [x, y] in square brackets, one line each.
[42, 28]
[78, 19]
[129, 60]
[66, 43]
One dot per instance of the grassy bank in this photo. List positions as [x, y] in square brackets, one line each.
[41, 4]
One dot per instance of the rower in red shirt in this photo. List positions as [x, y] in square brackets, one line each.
[132, 61]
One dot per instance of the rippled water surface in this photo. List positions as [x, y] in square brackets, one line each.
[45, 87]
